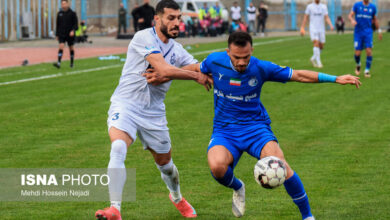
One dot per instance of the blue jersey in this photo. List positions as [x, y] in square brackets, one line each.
[363, 16]
[237, 95]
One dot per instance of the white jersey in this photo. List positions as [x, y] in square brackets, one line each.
[236, 12]
[133, 89]
[251, 13]
[317, 14]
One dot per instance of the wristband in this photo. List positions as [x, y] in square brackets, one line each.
[323, 77]
[379, 31]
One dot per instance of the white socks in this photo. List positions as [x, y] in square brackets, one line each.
[117, 172]
[170, 175]
[317, 54]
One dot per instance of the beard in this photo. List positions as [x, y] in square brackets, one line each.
[164, 30]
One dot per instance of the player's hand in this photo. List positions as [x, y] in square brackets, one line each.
[205, 80]
[302, 31]
[348, 79]
[354, 23]
[71, 34]
[154, 78]
[380, 36]
[331, 28]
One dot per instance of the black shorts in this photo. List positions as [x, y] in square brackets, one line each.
[69, 40]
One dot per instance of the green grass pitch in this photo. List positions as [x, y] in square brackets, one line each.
[336, 137]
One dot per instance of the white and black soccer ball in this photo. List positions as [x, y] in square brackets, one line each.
[270, 172]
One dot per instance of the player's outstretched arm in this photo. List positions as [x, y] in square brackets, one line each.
[376, 22]
[307, 76]
[163, 72]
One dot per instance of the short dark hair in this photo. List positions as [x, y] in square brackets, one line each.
[240, 38]
[166, 4]
[64, 0]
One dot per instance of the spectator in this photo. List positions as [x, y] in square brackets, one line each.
[251, 10]
[215, 11]
[262, 18]
[242, 26]
[122, 18]
[81, 33]
[182, 29]
[235, 11]
[234, 26]
[135, 17]
[340, 24]
[203, 12]
[145, 15]
[193, 26]
[225, 20]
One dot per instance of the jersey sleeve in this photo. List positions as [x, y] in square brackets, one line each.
[354, 8]
[185, 57]
[145, 44]
[206, 64]
[325, 10]
[374, 10]
[307, 11]
[276, 73]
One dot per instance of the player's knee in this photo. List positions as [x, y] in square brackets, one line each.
[118, 149]
[218, 170]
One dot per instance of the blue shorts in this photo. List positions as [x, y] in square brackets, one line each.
[362, 40]
[239, 138]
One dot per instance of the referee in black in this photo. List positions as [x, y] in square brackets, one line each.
[65, 31]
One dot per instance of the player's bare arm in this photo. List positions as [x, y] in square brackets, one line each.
[161, 74]
[351, 18]
[304, 24]
[327, 19]
[376, 22]
[307, 76]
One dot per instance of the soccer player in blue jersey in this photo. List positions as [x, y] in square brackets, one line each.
[362, 15]
[241, 123]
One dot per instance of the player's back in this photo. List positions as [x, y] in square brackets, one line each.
[317, 14]
[363, 16]
[237, 95]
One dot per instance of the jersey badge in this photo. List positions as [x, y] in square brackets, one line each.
[173, 59]
[253, 82]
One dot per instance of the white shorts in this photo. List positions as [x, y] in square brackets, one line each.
[318, 36]
[152, 130]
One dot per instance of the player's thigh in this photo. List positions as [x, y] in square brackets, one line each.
[322, 38]
[155, 139]
[120, 125]
[314, 37]
[70, 41]
[358, 42]
[368, 44]
[272, 148]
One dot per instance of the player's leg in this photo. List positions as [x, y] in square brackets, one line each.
[316, 48]
[293, 183]
[71, 50]
[122, 133]
[358, 44]
[321, 44]
[368, 44]
[221, 162]
[60, 52]
[158, 143]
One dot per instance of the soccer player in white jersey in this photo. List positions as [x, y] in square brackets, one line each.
[317, 12]
[138, 107]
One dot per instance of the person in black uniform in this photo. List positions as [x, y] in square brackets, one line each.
[122, 16]
[145, 14]
[65, 31]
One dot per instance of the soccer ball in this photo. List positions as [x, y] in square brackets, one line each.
[270, 172]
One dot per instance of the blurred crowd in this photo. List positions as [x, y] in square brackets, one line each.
[209, 20]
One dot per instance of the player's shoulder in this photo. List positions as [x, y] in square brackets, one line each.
[217, 56]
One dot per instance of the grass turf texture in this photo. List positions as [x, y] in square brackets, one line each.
[335, 137]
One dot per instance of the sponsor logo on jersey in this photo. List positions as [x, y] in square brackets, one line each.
[235, 82]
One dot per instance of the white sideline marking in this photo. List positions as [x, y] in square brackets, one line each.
[59, 75]
[117, 65]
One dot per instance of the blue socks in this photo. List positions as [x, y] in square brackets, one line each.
[368, 62]
[229, 180]
[294, 188]
[357, 60]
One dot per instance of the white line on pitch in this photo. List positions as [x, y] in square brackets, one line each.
[254, 44]
[59, 75]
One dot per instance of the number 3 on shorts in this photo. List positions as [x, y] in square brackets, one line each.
[115, 116]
